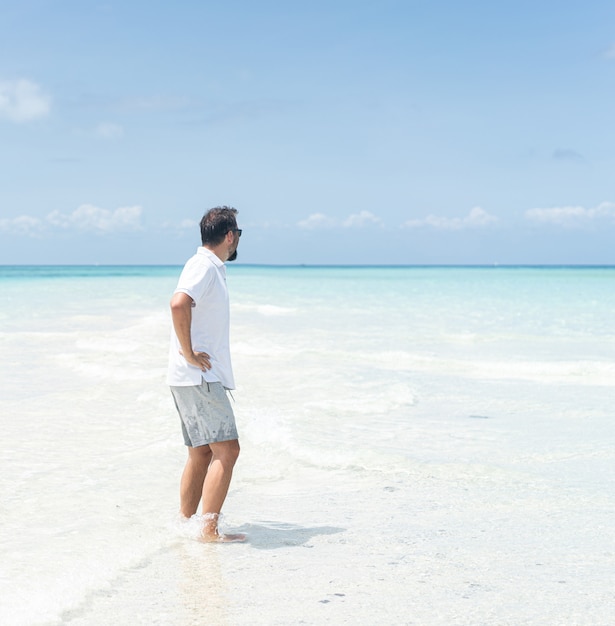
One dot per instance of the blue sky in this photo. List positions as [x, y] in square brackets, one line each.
[384, 132]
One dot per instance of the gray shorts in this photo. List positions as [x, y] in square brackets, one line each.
[206, 414]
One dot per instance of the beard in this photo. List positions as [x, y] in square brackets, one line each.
[233, 256]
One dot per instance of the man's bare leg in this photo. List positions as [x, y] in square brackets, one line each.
[215, 488]
[193, 477]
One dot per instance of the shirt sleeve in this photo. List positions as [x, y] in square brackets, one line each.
[195, 279]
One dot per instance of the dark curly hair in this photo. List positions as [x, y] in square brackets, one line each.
[216, 223]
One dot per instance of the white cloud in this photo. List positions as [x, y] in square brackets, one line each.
[476, 218]
[316, 221]
[22, 100]
[179, 228]
[109, 130]
[358, 220]
[22, 225]
[88, 217]
[84, 218]
[571, 216]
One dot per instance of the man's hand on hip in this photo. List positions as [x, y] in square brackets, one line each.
[198, 359]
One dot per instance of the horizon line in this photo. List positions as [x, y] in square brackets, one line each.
[328, 265]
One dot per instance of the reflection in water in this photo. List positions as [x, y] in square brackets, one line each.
[202, 590]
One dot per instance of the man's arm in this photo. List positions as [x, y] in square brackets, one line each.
[181, 313]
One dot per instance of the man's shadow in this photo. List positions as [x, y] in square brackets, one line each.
[272, 535]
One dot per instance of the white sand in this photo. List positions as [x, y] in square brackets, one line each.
[431, 549]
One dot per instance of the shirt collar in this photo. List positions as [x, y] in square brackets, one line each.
[208, 253]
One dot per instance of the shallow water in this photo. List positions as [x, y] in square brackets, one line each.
[442, 437]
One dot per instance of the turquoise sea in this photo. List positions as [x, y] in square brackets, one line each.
[420, 445]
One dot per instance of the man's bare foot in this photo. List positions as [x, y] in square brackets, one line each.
[211, 533]
[224, 538]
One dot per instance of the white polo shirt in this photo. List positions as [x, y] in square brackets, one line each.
[204, 280]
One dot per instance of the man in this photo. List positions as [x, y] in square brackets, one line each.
[200, 372]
